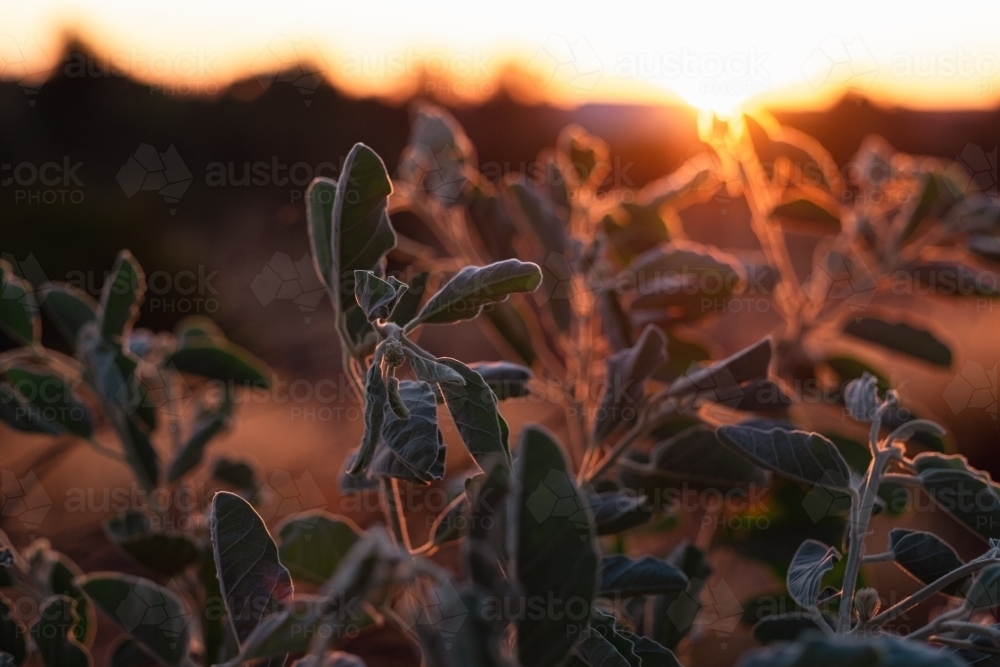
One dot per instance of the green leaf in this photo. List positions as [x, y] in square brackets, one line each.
[377, 297]
[509, 322]
[506, 379]
[376, 398]
[474, 410]
[621, 576]
[618, 511]
[161, 552]
[626, 373]
[692, 457]
[811, 561]
[152, 615]
[429, 370]
[861, 397]
[969, 497]
[238, 474]
[554, 554]
[12, 632]
[19, 415]
[121, 297]
[409, 302]
[320, 197]
[985, 590]
[360, 231]
[464, 296]
[901, 337]
[51, 399]
[223, 362]
[925, 556]
[18, 310]
[68, 307]
[63, 578]
[439, 157]
[411, 447]
[54, 634]
[718, 274]
[674, 613]
[207, 425]
[804, 457]
[101, 360]
[631, 229]
[252, 579]
[314, 543]
[721, 377]
[198, 329]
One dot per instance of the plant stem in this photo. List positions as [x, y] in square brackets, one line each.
[930, 589]
[643, 428]
[860, 517]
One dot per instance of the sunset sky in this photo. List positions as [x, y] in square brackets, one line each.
[713, 55]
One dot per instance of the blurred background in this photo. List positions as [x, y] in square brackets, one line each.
[188, 132]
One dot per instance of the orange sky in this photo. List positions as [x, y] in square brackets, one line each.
[714, 55]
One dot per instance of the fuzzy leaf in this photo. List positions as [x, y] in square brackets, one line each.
[252, 579]
[13, 634]
[224, 362]
[721, 377]
[376, 398]
[164, 553]
[313, 544]
[355, 222]
[68, 307]
[464, 296]
[152, 615]
[474, 410]
[507, 380]
[901, 337]
[811, 561]
[411, 448]
[51, 399]
[121, 297]
[925, 556]
[429, 370]
[804, 457]
[554, 553]
[54, 634]
[377, 297]
[622, 576]
[18, 310]
[695, 457]
[627, 370]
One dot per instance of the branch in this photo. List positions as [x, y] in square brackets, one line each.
[930, 589]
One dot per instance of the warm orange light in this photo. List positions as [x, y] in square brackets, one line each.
[715, 57]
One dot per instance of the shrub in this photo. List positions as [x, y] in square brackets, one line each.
[618, 295]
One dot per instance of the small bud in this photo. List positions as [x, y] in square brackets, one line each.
[394, 354]
[866, 604]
